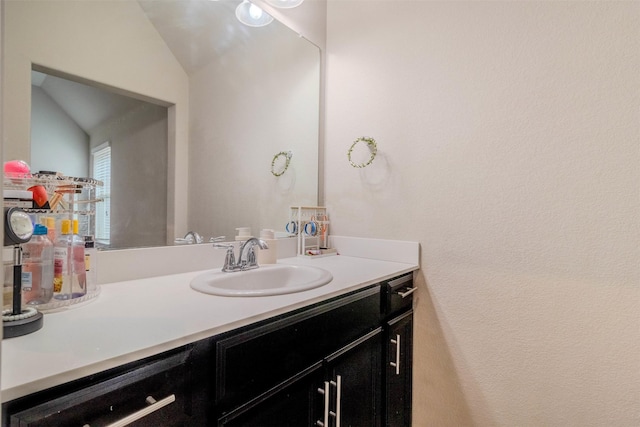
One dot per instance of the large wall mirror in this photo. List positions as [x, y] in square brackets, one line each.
[194, 104]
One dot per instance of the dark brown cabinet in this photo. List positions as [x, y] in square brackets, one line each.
[398, 370]
[343, 390]
[339, 363]
[354, 385]
[253, 360]
[313, 367]
[398, 350]
[155, 392]
[292, 404]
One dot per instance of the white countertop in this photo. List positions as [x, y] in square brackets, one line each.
[134, 319]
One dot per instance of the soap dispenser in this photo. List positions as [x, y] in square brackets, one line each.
[269, 255]
[244, 233]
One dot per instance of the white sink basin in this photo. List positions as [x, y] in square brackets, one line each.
[272, 279]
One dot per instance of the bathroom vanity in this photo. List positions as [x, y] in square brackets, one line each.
[336, 355]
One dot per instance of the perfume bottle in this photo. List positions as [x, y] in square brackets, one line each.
[37, 268]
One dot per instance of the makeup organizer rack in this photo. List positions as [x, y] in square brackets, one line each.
[68, 198]
[311, 226]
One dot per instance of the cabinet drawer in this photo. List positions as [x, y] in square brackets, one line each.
[254, 360]
[398, 294]
[156, 391]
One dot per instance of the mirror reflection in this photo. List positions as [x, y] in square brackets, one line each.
[221, 100]
[80, 130]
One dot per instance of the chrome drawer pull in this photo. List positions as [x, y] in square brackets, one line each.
[325, 393]
[409, 292]
[396, 364]
[154, 406]
[338, 398]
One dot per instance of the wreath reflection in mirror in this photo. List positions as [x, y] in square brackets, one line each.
[371, 145]
[280, 163]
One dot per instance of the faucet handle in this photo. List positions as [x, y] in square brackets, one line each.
[217, 239]
[251, 257]
[229, 258]
[228, 246]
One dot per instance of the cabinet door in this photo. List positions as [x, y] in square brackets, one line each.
[398, 368]
[251, 361]
[355, 383]
[292, 404]
[342, 391]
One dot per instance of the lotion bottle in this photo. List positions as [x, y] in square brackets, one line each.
[37, 268]
[61, 262]
[269, 255]
[69, 279]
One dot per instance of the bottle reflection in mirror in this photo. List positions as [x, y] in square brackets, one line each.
[90, 263]
[69, 264]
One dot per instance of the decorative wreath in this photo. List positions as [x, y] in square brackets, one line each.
[371, 145]
[287, 155]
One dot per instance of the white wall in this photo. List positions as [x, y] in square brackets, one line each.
[509, 140]
[253, 102]
[64, 146]
[119, 48]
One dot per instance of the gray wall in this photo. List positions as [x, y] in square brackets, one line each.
[138, 165]
[58, 143]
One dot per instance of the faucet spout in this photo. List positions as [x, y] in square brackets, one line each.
[247, 256]
[193, 237]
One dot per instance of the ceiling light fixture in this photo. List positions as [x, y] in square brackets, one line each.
[285, 4]
[251, 15]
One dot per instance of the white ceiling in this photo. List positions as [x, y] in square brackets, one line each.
[88, 106]
[197, 31]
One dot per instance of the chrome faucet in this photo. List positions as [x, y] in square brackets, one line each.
[246, 256]
[229, 259]
[250, 260]
[193, 237]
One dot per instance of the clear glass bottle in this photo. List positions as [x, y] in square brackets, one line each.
[69, 269]
[37, 268]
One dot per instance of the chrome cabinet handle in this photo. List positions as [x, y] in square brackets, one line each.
[338, 385]
[396, 364]
[153, 406]
[407, 293]
[325, 393]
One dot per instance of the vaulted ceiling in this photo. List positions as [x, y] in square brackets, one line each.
[196, 32]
